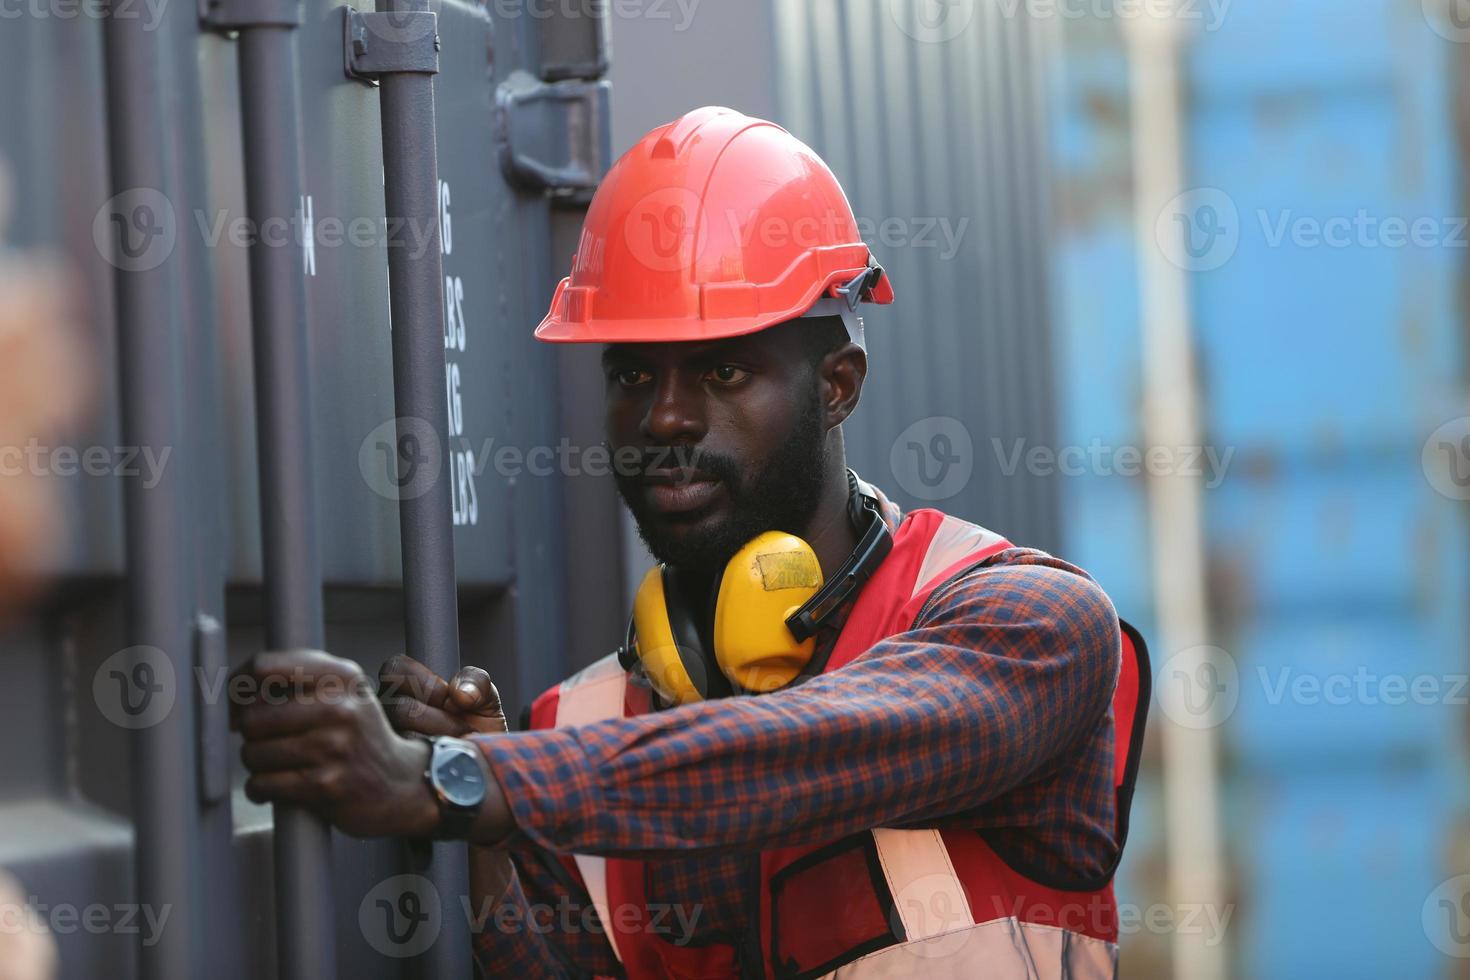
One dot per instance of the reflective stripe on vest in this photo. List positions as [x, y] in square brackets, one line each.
[927, 893]
[999, 948]
[594, 694]
[943, 936]
[953, 540]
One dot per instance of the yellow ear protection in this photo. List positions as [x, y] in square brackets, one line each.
[754, 630]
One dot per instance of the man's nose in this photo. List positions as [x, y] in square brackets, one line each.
[676, 414]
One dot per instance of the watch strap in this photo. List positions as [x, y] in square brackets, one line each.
[455, 823]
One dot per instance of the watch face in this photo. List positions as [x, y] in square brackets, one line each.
[458, 776]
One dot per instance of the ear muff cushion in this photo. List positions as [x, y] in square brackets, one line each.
[765, 582]
[688, 610]
[667, 639]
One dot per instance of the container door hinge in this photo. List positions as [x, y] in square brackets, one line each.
[389, 43]
[553, 136]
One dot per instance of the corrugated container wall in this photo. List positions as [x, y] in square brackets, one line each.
[933, 117]
[521, 137]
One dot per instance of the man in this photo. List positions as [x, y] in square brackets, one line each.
[869, 742]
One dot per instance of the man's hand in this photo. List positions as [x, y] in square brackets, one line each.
[316, 737]
[419, 700]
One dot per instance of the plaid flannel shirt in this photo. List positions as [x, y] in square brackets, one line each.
[993, 713]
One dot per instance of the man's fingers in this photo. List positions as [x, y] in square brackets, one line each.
[295, 751]
[419, 700]
[407, 715]
[282, 674]
[295, 787]
[472, 691]
[262, 719]
[405, 677]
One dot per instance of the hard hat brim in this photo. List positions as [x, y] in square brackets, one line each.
[654, 331]
[557, 329]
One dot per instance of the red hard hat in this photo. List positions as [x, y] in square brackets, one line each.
[714, 225]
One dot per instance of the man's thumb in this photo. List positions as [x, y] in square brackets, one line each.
[471, 690]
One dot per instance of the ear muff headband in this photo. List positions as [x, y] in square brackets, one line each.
[871, 549]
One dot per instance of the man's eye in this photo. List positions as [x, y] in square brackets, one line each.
[630, 377]
[728, 374]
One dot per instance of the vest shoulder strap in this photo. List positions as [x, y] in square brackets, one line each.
[954, 544]
[595, 693]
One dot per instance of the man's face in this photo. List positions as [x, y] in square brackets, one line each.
[732, 440]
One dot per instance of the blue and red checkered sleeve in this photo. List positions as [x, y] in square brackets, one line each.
[544, 925]
[1013, 665]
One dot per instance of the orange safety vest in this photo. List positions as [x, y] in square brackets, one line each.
[883, 903]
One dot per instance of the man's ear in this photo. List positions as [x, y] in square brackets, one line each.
[842, 372]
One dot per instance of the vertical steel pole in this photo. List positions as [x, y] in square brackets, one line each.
[159, 586]
[416, 284]
[269, 97]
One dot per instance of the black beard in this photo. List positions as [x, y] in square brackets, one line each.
[782, 496]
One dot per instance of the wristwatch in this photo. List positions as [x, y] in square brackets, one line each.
[457, 778]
